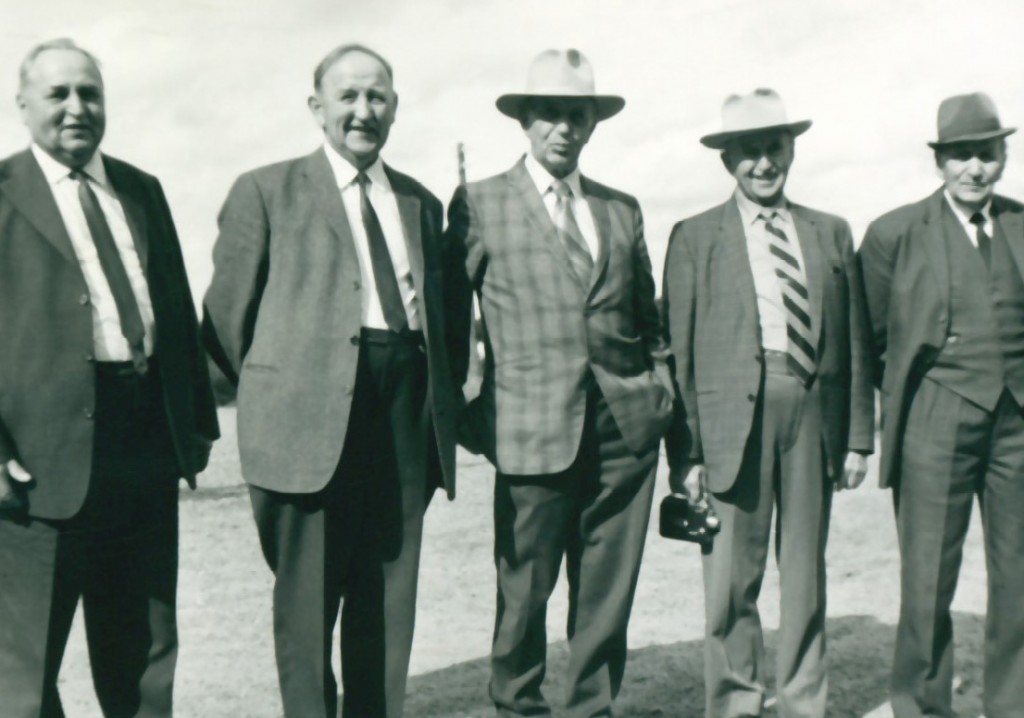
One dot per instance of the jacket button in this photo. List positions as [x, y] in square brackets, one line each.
[356, 285]
[758, 358]
[348, 391]
[354, 340]
[88, 356]
[751, 397]
[83, 299]
[87, 413]
[952, 338]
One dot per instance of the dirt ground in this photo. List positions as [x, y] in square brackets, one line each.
[226, 665]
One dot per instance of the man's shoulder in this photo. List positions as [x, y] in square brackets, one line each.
[593, 188]
[1006, 205]
[12, 165]
[896, 221]
[818, 216]
[705, 219]
[276, 173]
[119, 166]
[401, 182]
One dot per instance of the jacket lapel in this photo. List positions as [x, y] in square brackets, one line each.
[1012, 225]
[935, 243]
[129, 193]
[810, 247]
[602, 223]
[734, 263]
[28, 190]
[412, 227]
[323, 188]
[537, 214]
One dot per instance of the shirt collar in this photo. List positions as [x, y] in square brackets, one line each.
[345, 172]
[54, 171]
[751, 210]
[965, 219]
[544, 179]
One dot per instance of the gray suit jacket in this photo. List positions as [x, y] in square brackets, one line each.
[715, 336]
[547, 335]
[283, 316]
[906, 276]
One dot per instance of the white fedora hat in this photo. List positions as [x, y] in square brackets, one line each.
[760, 111]
[560, 74]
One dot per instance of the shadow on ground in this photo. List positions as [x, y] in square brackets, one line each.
[667, 680]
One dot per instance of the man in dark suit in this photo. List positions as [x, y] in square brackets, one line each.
[946, 298]
[575, 393]
[104, 403]
[765, 313]
[327, 310]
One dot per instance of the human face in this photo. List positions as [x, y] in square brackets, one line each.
[760, 163]
[61, 103]
[355, 106]
[558, 129]
[970, 170]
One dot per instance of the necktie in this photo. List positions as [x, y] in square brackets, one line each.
[984, 241]
[383, 270]
[801, 358]
[132, 327]
[569, 233]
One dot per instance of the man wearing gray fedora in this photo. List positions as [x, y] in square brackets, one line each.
[767, 327]
[576, 392]
[945, 293]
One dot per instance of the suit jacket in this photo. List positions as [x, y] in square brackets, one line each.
[283, 316]
[547, 336]
[47, 378]
[715, 336]
[905, 262]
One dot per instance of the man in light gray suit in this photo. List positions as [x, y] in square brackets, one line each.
[766, 319]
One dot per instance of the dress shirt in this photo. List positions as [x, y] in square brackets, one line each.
[581, 210]
[770, 309]
[965, 219]
[109, 343]
[382, 197]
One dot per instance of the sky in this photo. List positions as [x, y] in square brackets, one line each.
[201, 91]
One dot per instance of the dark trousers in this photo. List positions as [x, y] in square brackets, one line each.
[783, 469]
[954, 451]
[119, 554]
[595, 514]
[354, 546]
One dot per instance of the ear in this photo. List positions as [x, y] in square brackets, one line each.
[316, 108]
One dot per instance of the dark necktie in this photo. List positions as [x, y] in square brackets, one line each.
[569, 233]
[984, 241]
[383, 270]
[795, 298]
[113, 269]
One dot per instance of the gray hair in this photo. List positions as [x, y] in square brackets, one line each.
[60, 43]
[339, 52]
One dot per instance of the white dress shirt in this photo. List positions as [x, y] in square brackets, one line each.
[581, 211]
[109, 343]
[965, 219]
[382, 197]
[770, 309]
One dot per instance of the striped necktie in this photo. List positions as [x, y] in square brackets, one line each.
[569, 233]
[794, 298]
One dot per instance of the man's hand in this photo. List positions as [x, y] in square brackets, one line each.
[854, 471]
[690, 480]
[13, 477]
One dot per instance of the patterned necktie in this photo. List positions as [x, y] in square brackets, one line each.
[569, 233]
[383, 270]
[128, 312]
[984, 241]
[795, 298]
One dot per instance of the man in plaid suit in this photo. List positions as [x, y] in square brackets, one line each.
[576, 392]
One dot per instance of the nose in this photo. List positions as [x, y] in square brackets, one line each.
[763, 163]
[975, 166]
[362, 107]
[74, 104]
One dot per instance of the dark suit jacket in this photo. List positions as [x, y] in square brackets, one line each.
[546, 334]
[283, 316]
[905, 264]
[715, 336]
[47, 379]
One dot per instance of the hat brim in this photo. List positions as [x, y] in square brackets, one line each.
[607, 105]
[975, 137]
[718, 140]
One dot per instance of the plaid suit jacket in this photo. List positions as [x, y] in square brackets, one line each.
[548, 338]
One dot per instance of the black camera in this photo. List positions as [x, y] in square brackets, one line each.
[681, 520]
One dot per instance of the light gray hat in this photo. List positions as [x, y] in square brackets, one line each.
[560, 74]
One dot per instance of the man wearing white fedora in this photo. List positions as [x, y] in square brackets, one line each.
[767, 327]
[946, 297]
[576, 392]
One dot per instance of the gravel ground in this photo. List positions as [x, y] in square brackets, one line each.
[226, 665]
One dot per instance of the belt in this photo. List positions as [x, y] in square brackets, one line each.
[386, 336]
[776, 362]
